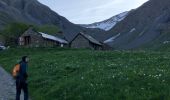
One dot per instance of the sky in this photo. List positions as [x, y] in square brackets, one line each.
[90, 11]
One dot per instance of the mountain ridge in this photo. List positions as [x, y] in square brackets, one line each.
[143, 26]
[108, 23]
[33, 12]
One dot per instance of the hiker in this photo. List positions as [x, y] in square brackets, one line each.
[21, 79]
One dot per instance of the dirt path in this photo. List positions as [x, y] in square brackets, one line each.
[7, 86]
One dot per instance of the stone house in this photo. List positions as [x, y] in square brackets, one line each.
[83, 40]
[32, 38]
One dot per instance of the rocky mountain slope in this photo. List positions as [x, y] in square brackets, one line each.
[33, 12]
[109, 23]
[149, 25]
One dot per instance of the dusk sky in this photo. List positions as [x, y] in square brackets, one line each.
[90, 11]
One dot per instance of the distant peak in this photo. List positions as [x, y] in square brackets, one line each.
[108, 23]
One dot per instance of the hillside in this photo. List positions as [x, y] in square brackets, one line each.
[149, 25]
[68, 74]
[109, 23]
[35, 13]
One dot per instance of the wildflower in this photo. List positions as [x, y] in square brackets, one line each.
[127, 78]
[113, 76]
[82, 78]
[160, 75]
[91, 85]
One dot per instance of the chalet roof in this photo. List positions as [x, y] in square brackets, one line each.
[30, 30]
[90, 38]
[54, 38]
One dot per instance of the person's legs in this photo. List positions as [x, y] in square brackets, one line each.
[18, 90]
[25, 89]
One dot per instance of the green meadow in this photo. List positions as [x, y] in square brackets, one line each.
[70, 74]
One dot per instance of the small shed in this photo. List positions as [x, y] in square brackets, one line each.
[83, 40]
[32, 38]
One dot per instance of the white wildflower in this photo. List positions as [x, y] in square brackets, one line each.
[91, 85]
[113, 76]
[160, 75]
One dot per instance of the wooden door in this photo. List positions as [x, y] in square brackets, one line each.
[27, 40]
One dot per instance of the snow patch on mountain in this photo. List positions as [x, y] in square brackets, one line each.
[109, 23]
[112, 38]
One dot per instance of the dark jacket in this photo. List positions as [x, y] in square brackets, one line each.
[23, 71]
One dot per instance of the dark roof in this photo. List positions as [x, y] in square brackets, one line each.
[30, 30]
[90, 38]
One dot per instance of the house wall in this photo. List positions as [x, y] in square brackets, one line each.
[107, 47]
[96, 47]
[81, 42]
[49, 43]
[36, 40]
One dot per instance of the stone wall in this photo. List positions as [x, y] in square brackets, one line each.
[80, 42]
[36, 39]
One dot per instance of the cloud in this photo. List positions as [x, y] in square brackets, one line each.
[89, 11]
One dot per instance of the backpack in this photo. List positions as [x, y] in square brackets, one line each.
[16, 70]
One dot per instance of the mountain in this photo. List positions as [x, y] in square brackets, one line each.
[107, 24]
[35, 13]
[146, 26]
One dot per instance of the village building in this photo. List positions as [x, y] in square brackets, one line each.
[31, 38]
[83, 40]
[107, 47]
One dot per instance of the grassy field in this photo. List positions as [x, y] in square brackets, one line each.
[67, 74]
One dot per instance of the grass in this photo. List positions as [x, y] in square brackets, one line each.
[68, 74]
